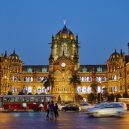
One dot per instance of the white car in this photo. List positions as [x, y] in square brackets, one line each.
[84, 106]
[60, 106]
[107, 109]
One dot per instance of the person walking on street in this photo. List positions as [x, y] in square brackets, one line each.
[52, 109]
[56, 110]
[48, 110]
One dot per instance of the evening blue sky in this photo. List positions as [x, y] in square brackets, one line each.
[27, 26]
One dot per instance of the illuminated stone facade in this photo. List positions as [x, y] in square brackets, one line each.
[16, 77]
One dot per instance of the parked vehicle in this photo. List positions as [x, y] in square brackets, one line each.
[71, 107]
[107, 109]
[125, 100]
[84, 106]
[60, 106]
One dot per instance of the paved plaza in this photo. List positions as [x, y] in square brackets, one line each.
[66, 120]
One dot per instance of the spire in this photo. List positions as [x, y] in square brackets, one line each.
[115, 50]
[52, 38]
[14, 51]
[5, 55]
[128, 48]
[77, 38]
[64, 21]
[121, 52]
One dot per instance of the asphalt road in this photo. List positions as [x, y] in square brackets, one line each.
[66, 120]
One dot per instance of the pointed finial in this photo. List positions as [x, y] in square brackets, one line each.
[121, 52]
[52, 38]
[14, 51]
[5, 55]
[64, 21]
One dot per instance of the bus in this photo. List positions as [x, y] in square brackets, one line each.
[24, 102]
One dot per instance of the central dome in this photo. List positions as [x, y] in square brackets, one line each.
[115, 55]
[14, 56]
[65, 33]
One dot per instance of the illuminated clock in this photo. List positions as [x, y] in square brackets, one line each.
[63, 64]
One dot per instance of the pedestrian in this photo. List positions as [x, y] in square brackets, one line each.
[51, 107]
[48, 110]
[56, 110]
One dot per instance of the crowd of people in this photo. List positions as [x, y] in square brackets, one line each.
[52, 110]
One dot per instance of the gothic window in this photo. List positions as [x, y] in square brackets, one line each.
[65, 48]
[83, 89]
[85, 79]
[39, 90]
[24, 90]
[14, 78]
[29, 70]
[82, 79]
[78, 89]
[88, 79]
[84, 69]
[31, 79]
[44, 69]
[89, 89]
[99, 89]
[99, 69]
[30, 89]
[13, 89]
[104, 89]
[115, 78]
[97, 79]
[43, 89]
[64, 36]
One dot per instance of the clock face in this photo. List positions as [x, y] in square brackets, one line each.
[63, 64]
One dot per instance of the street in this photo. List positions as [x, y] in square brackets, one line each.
[66, 120]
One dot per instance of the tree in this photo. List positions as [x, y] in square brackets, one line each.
[48, 82]
[78, 98]
[94, 87]
[75, 80]
[94, 90]
[91, 98]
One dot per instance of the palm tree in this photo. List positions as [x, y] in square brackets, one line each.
[94, 87]
[75, 80]
[48, 82]
[94, 90]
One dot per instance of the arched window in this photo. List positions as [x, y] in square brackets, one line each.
[39, 90]
[78, 89]
[89, 89]
[29, 89]
[98, 89]
[83, 89]
[115, 78]
[29, 70]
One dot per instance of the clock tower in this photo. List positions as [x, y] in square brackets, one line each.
[63, 63]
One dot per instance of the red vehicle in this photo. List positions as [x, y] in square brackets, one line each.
[24, 102]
